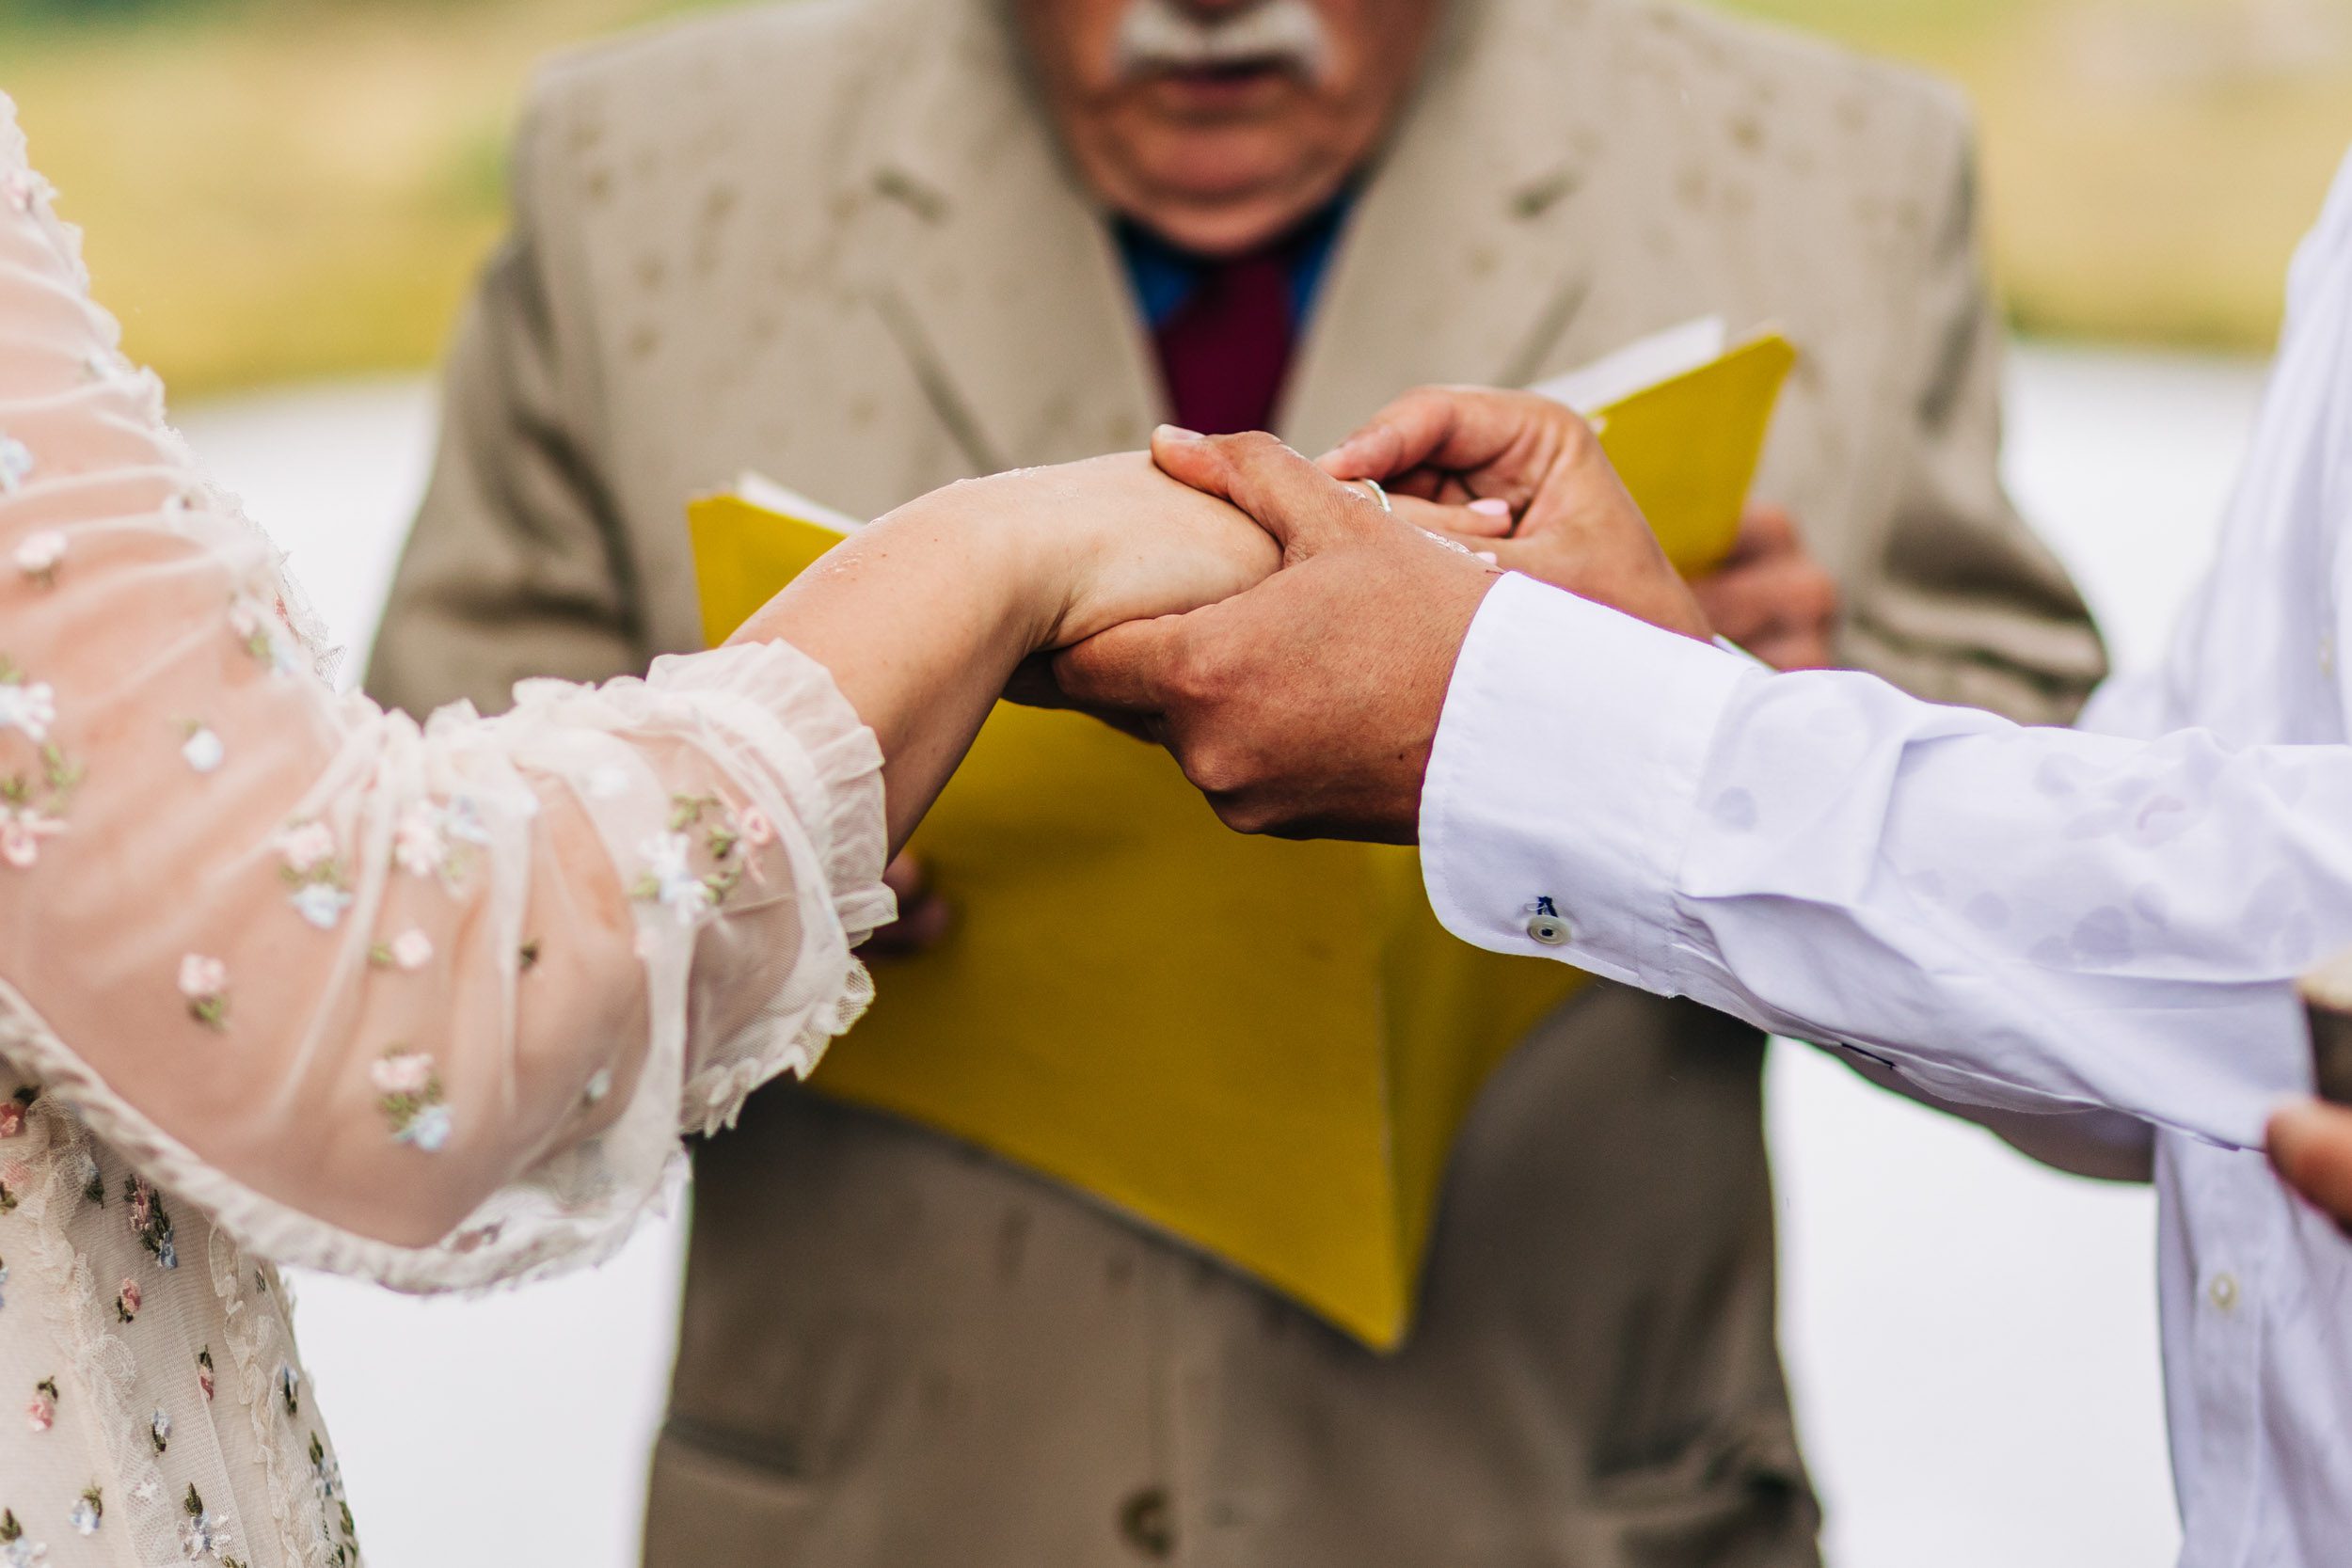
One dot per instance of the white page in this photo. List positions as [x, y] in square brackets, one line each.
[764, 492]
[1645, 362]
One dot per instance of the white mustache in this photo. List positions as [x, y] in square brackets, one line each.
[1159, 34]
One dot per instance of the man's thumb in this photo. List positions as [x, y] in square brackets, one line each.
[1305, 510]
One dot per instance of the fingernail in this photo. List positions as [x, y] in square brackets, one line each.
[1490, 506]
[1176, 433]
[1488, 556]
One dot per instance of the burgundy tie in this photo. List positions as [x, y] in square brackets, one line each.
[1224, 350]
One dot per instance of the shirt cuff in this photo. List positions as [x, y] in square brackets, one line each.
[1563, 779]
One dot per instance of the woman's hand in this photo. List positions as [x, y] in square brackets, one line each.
[925, 615]
[1090, 545]
[1306, 707]
[1491, 457]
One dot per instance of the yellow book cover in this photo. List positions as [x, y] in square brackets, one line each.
[1262, 1048]
[1683, 415]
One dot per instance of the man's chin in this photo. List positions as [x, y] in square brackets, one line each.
[1222, 206]
[1221, 227]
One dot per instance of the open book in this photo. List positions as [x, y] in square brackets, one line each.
[1262, 1048]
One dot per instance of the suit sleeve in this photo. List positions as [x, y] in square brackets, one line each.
[1955, 600]
[516, 567]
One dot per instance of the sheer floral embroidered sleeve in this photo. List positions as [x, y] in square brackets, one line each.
[428, 1004]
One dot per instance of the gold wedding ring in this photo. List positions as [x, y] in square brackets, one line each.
[1378, 494]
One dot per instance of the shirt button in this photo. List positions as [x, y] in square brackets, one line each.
[1550, 929]
[2223, 1292]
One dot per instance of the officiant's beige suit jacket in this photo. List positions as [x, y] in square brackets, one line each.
[833, 242]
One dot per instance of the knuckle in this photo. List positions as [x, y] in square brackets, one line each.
[1197, 672]
[1245, 813]
[1216, 770]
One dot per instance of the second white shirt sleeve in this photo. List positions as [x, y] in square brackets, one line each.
[2029, 920]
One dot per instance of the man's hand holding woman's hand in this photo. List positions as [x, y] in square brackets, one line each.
[1523, 477]
[1307, 706]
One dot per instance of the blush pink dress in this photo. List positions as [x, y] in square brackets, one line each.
[286, 979]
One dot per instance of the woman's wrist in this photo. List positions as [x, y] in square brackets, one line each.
[1003, 549]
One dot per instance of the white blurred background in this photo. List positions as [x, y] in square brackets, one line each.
[1971, 1338]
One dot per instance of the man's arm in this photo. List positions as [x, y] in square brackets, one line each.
[1956, 600]
[2039, 921]
[515, 567]
[2032, 920]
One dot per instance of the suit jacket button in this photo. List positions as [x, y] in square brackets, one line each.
[1144, 1520]
[1550, 929]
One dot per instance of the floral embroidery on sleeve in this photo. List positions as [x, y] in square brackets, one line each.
[259, 634]
[411, 1103]
[204, 1372]
[314, 872]
[203, 750]
[437, 839]
[327, 1477]
[40, 555]
[22, 829]
[128, 1301]
[41, 1413]
[16, 1550]
[203, 1532]
[722, 832]
[151, 1222]
[670, 878]
[30, 707]
[411, 950]
[32, 805]
[16, 462]
[204, 982]
[89, 1512]
[12, 1112]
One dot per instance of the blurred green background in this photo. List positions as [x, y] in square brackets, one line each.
[288, 188]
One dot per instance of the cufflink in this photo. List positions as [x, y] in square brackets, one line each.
[1545, 925]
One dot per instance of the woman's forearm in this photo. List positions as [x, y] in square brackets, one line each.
[922, 617]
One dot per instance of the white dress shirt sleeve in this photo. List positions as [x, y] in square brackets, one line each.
[2030, 920]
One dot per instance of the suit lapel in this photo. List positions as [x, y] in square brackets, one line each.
[997, 277]
[1464, 260]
